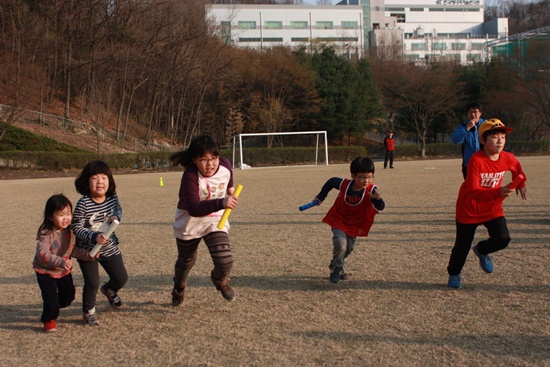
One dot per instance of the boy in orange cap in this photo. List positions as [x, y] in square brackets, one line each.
[480, 200]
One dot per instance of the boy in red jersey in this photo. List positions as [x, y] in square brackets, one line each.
[352, 213]
[480, 200]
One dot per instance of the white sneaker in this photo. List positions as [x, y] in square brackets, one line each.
[90, 318]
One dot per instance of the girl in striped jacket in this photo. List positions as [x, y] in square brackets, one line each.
[93, 213]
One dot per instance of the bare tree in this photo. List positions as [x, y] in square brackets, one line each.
[421, 95]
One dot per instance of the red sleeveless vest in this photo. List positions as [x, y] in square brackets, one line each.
[353, 219]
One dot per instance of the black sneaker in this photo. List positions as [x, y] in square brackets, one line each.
[112, 297]
[177, 296]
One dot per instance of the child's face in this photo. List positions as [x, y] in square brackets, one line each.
[474, 114]
[207, 164]
[62, 218]
[494, 143]
[99, 185]
[361, 180]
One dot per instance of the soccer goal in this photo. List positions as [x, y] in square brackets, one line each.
[280, 149]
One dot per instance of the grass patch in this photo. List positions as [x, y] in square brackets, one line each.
[17, 139]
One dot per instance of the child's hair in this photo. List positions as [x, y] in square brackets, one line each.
[362, 164]
[199, 146]
[54, 204]
[82, 182]
[473, 106]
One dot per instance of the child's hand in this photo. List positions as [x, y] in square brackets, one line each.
[111, 219]
[101, 239]
[523, 192]
[505, 192]
[230, 202]
[376, 195]
[68, 264]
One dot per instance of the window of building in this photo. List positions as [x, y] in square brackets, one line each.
[418, 46]
[298, 24]
[347, 39]
[325, 39]
[273, 39]
[412, 57]
[478, 46]
[455, 9]
[273, 25]
[439, 46]
[323, 25]
[226, 31]
[299, 39]
[349, 25]
[400, 17]
[417, 9]
[250, 39]
[473, 57]
[395, 9]
[245, 24]
[337, 39]
[458, 46]
[455, 57]
[436, 9]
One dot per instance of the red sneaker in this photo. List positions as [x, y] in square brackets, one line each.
[50, 326]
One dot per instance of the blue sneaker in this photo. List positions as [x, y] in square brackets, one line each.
[343, 274]
[454, 281]
[335, 277]
[485, 261]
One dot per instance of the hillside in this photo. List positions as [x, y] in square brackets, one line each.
[83, 134]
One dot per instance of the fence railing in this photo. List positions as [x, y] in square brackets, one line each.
[105, 135]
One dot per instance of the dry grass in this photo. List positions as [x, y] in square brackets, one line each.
[396, 309]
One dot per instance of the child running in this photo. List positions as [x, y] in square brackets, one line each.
[93, 213]
[206, 190]
[480, 201]
[52, 262]
[352, 213]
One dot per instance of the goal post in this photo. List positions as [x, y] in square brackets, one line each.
[280, 149]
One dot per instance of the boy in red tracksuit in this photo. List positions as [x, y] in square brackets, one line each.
[480, 200]
[352, 213]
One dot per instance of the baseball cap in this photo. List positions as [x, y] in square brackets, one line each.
[493, 124]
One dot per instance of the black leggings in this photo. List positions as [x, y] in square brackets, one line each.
[220, 251]
[113, 266]
[499, 238]
[57, 293]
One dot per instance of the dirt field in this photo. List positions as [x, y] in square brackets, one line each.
[395, 310]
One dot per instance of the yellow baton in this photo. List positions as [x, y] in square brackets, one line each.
[227, 211]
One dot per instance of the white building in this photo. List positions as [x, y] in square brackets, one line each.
[296, 26]
[437, 30]
[416, 30]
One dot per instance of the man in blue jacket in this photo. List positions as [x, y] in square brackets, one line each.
[466, 134]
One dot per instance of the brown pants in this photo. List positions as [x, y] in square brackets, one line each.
[220, 251]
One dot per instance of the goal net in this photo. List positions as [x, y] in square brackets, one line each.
[280, 149]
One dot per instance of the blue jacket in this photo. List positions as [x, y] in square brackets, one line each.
[468, 139]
